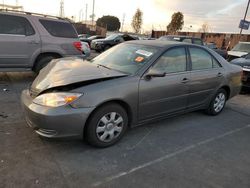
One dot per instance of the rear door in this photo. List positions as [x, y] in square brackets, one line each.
[206, 76]
[165, 95]
[18, 41]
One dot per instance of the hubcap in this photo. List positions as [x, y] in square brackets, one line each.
[109, 127]
[219, 102]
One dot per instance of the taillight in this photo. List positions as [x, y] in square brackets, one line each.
[78, 46]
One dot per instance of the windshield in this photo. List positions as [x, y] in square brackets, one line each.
[112, 37]
[127, 58]
[242, 47]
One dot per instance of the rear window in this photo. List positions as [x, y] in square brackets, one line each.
[59, 29]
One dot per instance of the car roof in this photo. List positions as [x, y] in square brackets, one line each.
[244, 42]
[158, 43]
[31, 14]
[182, 36]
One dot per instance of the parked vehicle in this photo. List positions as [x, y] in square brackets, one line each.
[130, 84]
[180, 38]
[213, 46]
[239, 50]
[244, 62]
[86, 49]
[89, 40]
[28, 41]
[103, 44]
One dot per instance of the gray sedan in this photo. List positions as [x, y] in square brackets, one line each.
[130, 84]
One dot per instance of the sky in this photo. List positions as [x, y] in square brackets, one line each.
[220, 15]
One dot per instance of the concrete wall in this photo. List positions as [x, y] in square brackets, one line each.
[222, 40]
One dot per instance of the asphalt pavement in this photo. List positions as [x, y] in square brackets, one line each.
[192, 150]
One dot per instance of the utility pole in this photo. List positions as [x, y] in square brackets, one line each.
[80, 15]
[123, 19]
[16, 2]
[86, 13]
[61, 13]
[3, 4]
[93, 13]
[245, 16]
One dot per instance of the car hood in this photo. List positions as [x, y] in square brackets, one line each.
[241, 62]
[236, 53]
[68, 71]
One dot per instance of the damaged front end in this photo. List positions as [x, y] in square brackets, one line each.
[70, 73]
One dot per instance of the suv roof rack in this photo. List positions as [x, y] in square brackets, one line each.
[31, 13]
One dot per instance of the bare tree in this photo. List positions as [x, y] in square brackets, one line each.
[205, 28]
[137, 21]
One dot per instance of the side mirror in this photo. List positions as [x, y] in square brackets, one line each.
[154, 73]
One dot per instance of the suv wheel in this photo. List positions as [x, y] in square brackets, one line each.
[218, 103]
[106, 47]
[42, 62]
[106, 126]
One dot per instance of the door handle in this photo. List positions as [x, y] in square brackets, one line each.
[33, 42]
[219, 74]
[184, 80]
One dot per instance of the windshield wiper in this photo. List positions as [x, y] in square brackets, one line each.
[103, 66]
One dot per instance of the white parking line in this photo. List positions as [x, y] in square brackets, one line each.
[108, 179]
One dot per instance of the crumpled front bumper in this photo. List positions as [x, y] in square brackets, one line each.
[63, 121]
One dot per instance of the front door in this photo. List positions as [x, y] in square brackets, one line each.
[160, 96]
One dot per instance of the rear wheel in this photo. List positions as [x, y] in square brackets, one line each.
[106, 126]
[218, 103]
[107, 47]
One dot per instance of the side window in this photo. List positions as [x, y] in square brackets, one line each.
[198, 41]
[200, 59]
[187, 40]
[216, 64]
[15, 25]
[59, 29]
[174, 60]
[119, 39]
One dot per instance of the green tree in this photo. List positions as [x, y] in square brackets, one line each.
[176, 23]
[111, 22]
[137, 21]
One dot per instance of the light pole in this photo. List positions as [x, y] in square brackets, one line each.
[3, 4]
[93, 13]
[245, 16]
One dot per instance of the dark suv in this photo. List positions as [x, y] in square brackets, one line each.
[29, 41]
[103, 44]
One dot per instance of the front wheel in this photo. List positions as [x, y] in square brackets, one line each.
[218, 103]
[106, 126]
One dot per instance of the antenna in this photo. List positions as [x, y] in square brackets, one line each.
[61, 14]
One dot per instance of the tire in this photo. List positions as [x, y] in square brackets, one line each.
[106, 47]
[42, 62]
[101, 130]
[218, 103]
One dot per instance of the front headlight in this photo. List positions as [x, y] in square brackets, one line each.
[56, 99]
